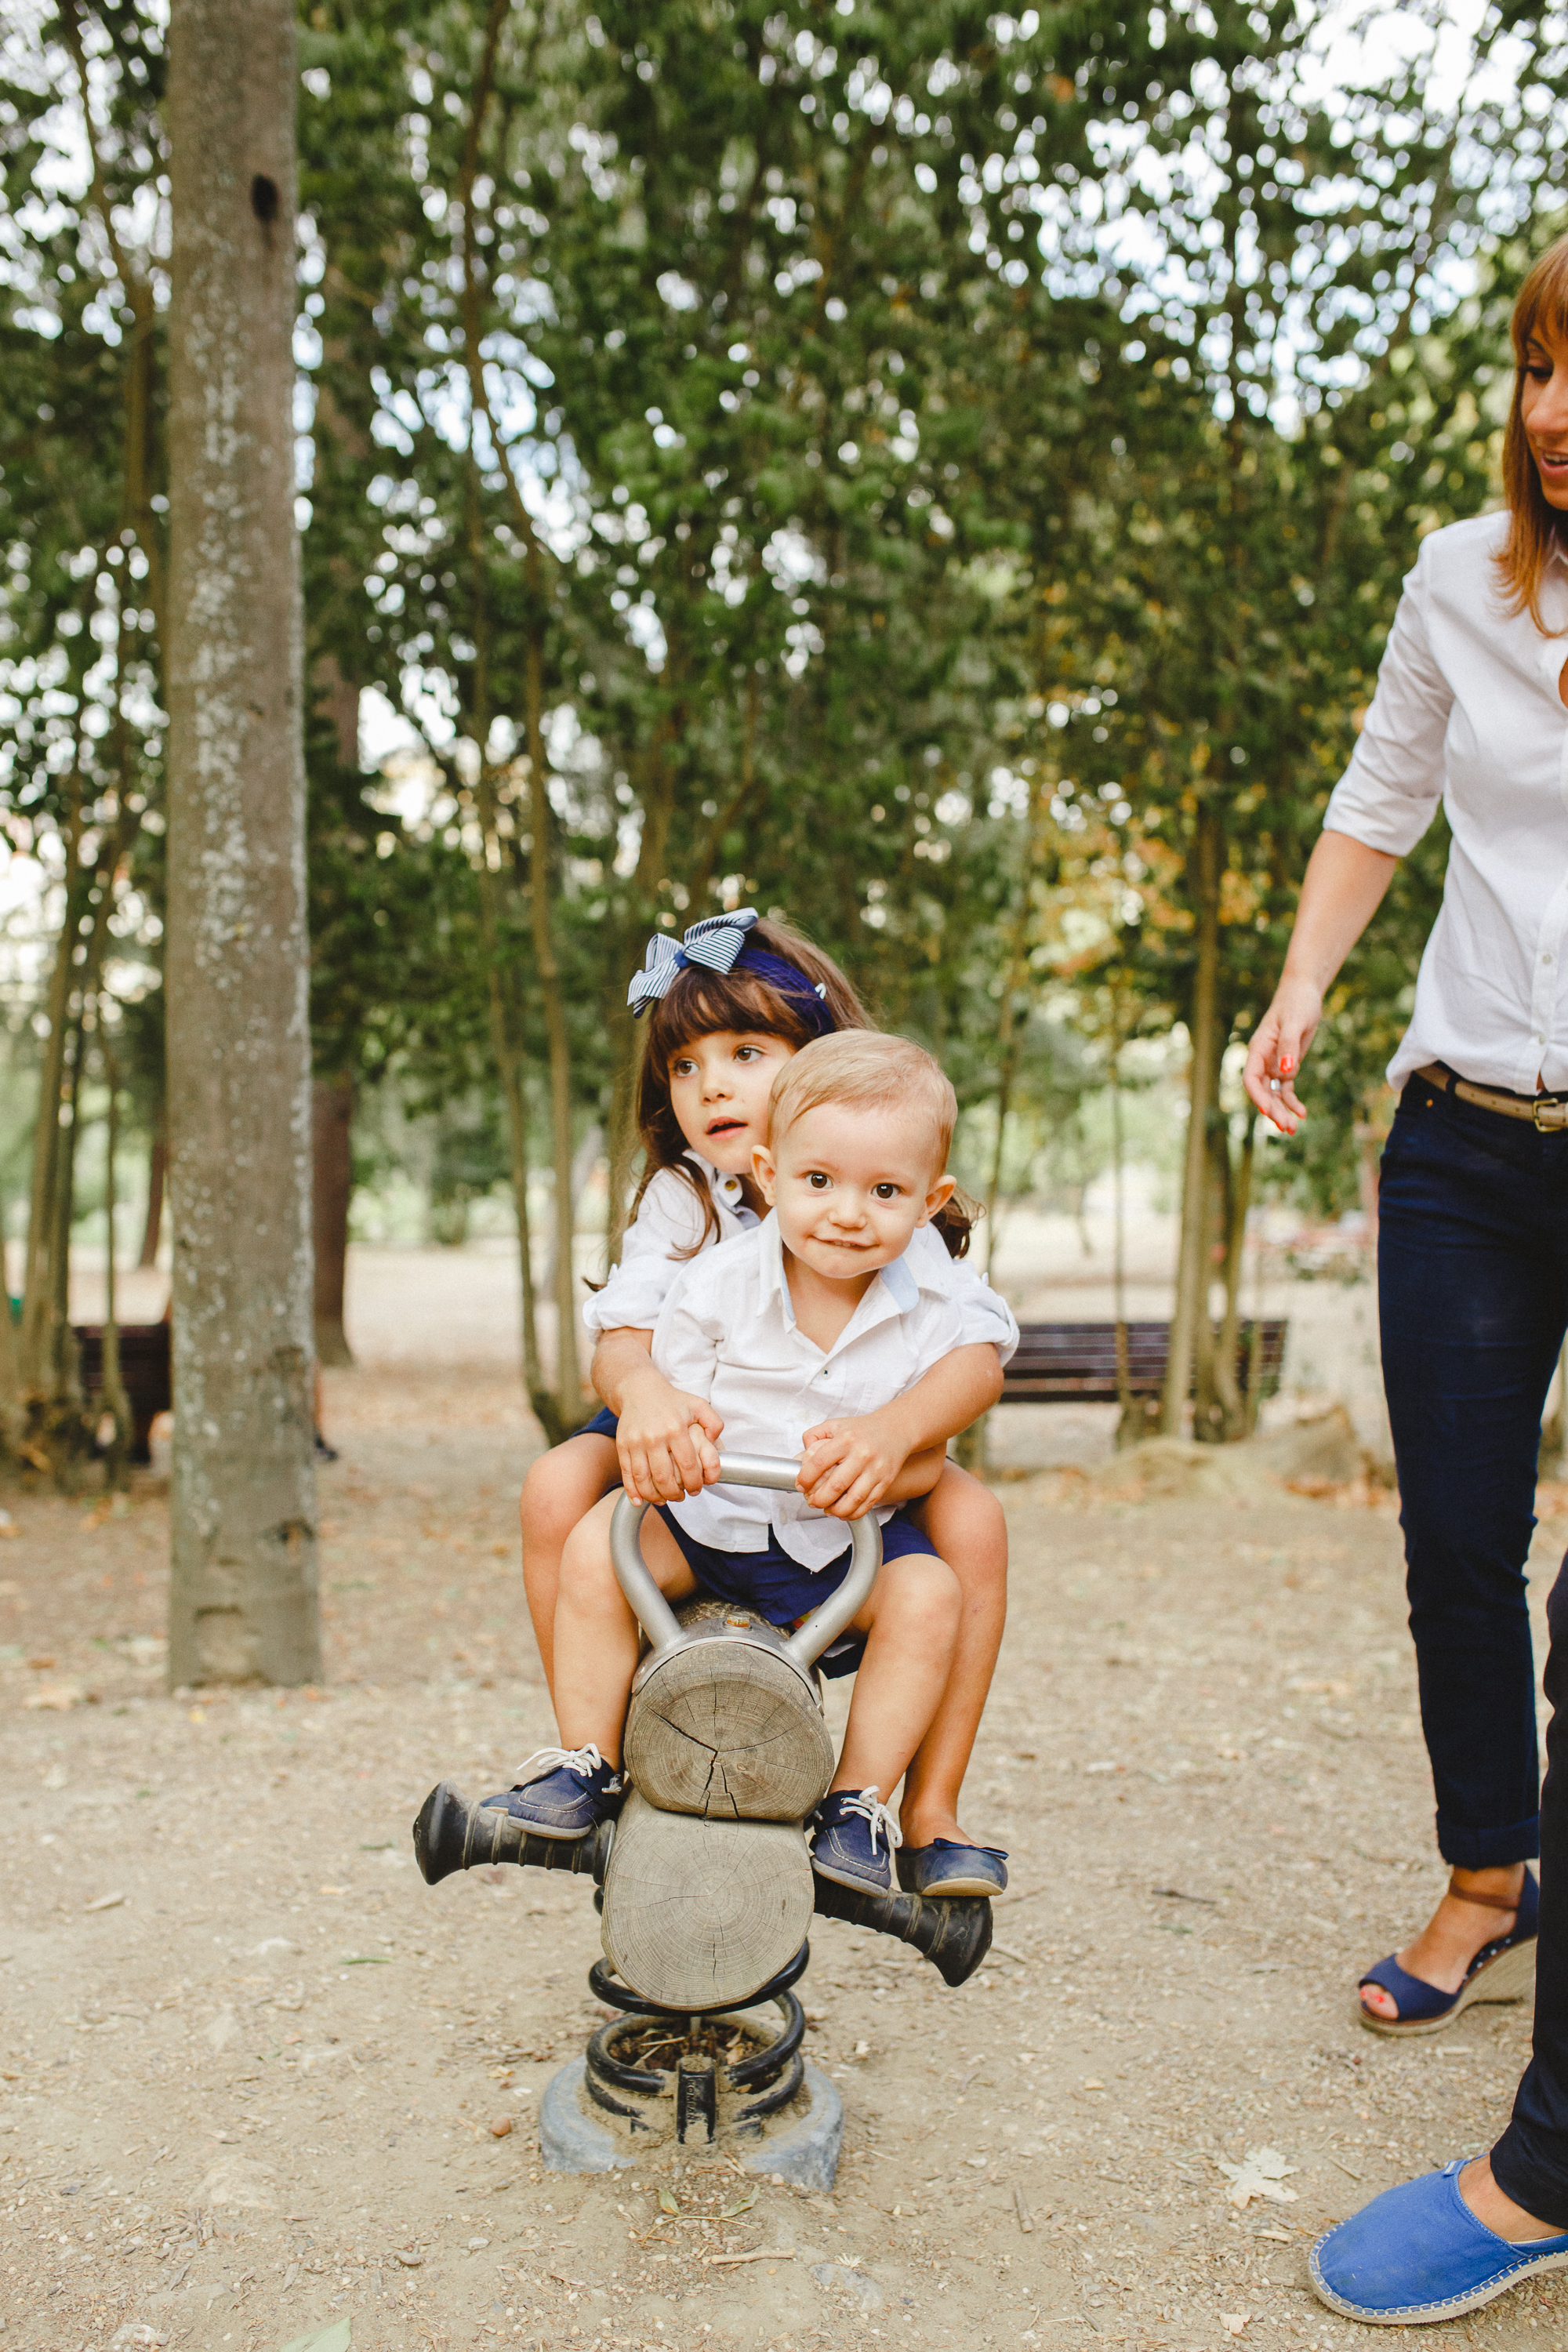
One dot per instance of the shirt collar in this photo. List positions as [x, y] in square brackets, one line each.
[727, 1190]
[902, 1291]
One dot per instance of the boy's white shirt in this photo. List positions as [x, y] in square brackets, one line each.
[727, 1332]
[669, 1226]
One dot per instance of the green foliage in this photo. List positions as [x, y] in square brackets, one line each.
[895, 466]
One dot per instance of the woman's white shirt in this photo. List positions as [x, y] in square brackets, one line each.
[1467, 711]
[669, 1232]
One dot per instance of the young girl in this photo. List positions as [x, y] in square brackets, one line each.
[730, 1006]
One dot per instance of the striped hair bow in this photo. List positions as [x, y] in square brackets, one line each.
[716, 943]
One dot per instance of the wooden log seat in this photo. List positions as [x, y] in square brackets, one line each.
[1075, 1363]
[728, 1730]
[698, 1914]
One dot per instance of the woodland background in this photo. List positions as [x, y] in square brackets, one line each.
[941, 475]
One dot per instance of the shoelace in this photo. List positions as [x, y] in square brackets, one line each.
[584, 1761]
[881, 1819]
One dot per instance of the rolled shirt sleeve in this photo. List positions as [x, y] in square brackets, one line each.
[669, 1228]
[1389, 794]
[983, 1317]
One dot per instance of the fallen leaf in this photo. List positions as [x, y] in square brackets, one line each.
[236, 2180]
[744, 2205]
[60, 1697]
[1262, 2173]
[667, 2202]
[107, 1902]
[338, 2337]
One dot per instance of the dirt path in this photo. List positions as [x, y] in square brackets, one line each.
[252, 2070]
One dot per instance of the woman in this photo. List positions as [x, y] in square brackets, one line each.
[1472, 709]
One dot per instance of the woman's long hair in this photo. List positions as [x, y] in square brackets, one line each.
[1536, 530]
[699, 1003]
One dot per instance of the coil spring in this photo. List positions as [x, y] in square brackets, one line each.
[774, 2074]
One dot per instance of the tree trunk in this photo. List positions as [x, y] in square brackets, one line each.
[115, 1400]
[157, 1174]
[1192, 1266]
[1228, 1388]
[243, 1602]
[331, 1172]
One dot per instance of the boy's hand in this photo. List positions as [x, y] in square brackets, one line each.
[848, 1465]
[667, 1441]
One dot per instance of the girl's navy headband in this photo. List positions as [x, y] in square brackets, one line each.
[719, 943]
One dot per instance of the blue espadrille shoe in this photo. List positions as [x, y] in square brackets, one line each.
[1417, 2253]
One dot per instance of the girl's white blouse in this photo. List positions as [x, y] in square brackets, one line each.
[668, 1232]
[1467, 711]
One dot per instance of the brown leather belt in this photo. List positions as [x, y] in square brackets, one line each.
[1548, 1114]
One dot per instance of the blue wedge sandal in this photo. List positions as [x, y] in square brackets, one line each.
[1503, 1969]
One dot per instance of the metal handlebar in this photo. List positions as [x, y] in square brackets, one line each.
[826, 1623]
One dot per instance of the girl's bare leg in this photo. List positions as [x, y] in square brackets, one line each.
[912, 1618]
[965, 1522]
[597, 1635]
[560, 1488]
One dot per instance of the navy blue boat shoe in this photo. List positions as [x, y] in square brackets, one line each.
[1417, 2255]
[849, 1827]
[1503, 1969]
[946, 1868]
[564, 1792]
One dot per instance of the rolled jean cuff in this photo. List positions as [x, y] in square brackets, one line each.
[1470, 1849]
[1532, 2174]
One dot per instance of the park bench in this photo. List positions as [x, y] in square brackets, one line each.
[1075, 1363]
[144, 1373]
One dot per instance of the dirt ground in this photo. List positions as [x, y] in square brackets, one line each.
[256, 2077]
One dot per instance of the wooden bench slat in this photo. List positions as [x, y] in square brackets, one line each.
[1076, 1362]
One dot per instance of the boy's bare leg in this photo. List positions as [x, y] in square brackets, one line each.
[560, 1488]
[596, 1637]
[965, 1522]
[912, 1620]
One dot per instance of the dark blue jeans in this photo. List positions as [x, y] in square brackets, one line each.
[1530, 2160]
[1473, 1300]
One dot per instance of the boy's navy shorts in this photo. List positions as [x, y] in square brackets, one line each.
[605, 1424]
[778, 1588]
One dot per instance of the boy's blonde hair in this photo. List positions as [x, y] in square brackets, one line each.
[865, 1071]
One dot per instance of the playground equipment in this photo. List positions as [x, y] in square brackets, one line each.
[705, 1883]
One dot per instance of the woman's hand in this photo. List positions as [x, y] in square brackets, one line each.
[846, 1466]
[667, 1441]
[1279, 1047]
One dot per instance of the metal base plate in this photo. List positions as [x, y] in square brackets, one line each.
[804, 2151]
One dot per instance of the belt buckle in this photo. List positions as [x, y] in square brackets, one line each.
[1549, 1103]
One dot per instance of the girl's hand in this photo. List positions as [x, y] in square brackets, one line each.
[667, 1441]
[1279, 1047]
[847, 1465]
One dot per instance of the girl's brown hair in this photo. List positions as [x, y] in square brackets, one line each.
[1536, 530]
[700, 1002]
